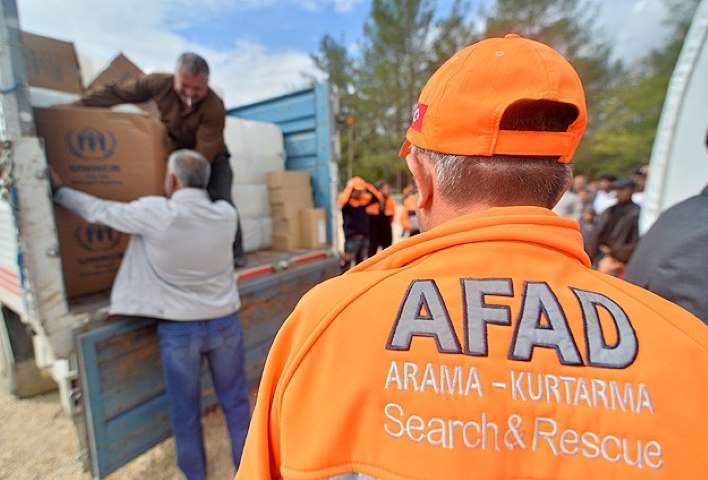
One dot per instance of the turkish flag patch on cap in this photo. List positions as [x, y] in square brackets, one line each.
[418, 114]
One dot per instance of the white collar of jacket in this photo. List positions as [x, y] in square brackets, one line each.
[187, 194]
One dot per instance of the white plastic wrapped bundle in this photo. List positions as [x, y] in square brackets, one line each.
[257, 233]
[251, 200]
[267, 231]
[256, 148]
[252, 234]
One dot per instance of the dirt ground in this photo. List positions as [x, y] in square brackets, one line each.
[38, 441]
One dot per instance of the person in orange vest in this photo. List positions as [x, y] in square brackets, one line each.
[485, 347]
[409, 219]
[354, 201]
[381, 215]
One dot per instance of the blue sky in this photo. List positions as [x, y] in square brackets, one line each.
[285, 24]
[261, 48]
[282, 24]
[278, 26]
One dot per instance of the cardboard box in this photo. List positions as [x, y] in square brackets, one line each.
[115, 156]
[51, 63]
[295, 179]
[313, 227]
[284, 243]
[118, 71]
[286, 210]
[122, 69]
[291, 196]
[286, 233]
[287, 226]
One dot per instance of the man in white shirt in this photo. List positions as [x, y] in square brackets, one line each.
[178, 268]
[605, 196]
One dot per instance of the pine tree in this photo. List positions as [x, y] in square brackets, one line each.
[334, 59]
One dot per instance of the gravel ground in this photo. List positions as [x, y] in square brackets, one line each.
[38, 442]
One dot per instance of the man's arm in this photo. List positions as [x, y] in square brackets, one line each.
[344, 197]
[131, 91]
[136, 217]
[210, 134]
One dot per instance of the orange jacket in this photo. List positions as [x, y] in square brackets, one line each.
[387, 203]
[485, 348]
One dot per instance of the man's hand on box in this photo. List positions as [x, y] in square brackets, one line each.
[55, 180]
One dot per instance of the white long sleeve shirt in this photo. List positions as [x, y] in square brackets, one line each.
[179, 262]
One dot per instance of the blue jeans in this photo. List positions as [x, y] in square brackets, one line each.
[183, 346]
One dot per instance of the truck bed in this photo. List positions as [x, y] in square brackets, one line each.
[260, 263]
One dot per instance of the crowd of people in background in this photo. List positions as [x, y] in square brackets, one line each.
[607, 209]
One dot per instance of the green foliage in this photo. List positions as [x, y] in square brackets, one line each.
[452, 34]
[403, 44]
[569, 26]
[393, 70]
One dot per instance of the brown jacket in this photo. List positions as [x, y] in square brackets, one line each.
[201, 128]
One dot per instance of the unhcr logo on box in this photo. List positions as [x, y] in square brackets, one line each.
[91, 143]
[97, 238]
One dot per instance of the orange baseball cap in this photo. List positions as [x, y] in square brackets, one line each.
[461, 106]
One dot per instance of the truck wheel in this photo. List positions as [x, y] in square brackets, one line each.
[19, 374]
[7, 361]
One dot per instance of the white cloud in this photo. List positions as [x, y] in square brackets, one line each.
[246, 71]
[341, 6]
[634, 27]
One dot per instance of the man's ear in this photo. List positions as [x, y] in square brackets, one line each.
[171, 184]
[420, 166]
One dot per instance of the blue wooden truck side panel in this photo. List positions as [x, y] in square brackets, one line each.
[119, 361]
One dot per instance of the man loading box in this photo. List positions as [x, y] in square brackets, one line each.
[172, 272]
[193, 115]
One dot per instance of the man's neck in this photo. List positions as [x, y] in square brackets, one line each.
[444, 212]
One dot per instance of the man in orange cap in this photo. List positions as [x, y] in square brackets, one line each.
[409, 217]
[381, 215]
[485, 347]
[354, 201]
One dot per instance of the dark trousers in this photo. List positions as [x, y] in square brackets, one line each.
[184, 346]
[380, 233]
[219, 188]
[355, 250]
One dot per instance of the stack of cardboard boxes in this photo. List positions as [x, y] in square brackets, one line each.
[296, 223]
[113, 155]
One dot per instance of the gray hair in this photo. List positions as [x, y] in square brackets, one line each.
[190, 167]
[499, 180]
[449, 169]
[193, 63]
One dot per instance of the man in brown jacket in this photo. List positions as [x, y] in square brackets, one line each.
[192, 113]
